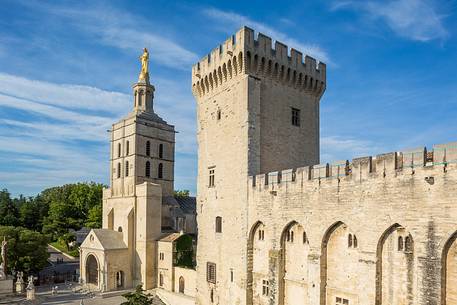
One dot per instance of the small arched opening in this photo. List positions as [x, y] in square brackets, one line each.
[181, 284]
[92, 270]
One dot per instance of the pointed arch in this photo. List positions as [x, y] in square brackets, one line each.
[229, 68]
[394, 232]
[219, 73]
[250, 261]
[224, 71]
[235, 66]
[240, 62]
[447, 270]
[216, 81]
[324, 254]
[247, 65]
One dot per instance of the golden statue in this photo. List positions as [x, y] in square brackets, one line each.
[144, 74]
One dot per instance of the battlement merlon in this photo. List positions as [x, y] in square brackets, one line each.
[243, 54]
[379, 167]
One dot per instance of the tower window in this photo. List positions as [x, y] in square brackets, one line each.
[161, 151]
[126, 168]
[265, 288]
[119, 170]
[400, 243]
[119, 150]
[148, 148]
[127, 148]
[211, 182]
[211, 272]
[295, 117]
[161, 280]
[147, 169]
[218, 114]
[160, 171]
[349, 240]
[218, 224]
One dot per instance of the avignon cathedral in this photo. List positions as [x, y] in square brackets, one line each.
[270, 223]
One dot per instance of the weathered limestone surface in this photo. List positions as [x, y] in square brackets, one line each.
[377, 230]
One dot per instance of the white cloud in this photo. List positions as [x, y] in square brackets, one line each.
[120, 29]
[334, 148]
[237, 21]
[48, 143]
[63, 95]
[414, 19]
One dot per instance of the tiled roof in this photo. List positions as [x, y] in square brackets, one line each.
[187, 204]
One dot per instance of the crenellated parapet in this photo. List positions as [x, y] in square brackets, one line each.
[243, 53]
[381, 166]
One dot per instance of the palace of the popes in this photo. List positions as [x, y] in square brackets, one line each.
[270, 223]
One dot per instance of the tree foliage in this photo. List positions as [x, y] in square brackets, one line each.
[181, 193]
[27, 250]
[55, 210]
[9, 213]
[138, 297]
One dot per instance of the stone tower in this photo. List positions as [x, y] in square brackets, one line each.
[258, 112]
[124, 252]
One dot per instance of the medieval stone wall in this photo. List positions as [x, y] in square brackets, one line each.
[375, 231]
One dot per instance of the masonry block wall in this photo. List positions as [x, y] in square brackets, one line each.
[383, 232]
[277, 227]
[247, 94]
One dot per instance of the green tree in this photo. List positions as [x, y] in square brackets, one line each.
[9, 213]
[27, 250]
[66, 239]
[181, 193]
[71, 206]
[94, 218]
[138, 297]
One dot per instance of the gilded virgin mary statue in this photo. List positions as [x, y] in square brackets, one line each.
[144, 58]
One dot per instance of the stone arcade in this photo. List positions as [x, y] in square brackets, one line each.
[274, 226]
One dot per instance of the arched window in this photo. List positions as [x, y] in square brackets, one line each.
[126, 168]
[161, 151]
[408, 244]
[291, 236]
[119, 279]
[127, 148]
[160, 279]
[400, 243]
[212, 296]
[288, 236]
[160, 171]
[355, 242]
[218, 224]
[181, 284]
[119, 229]
[349, 240]
[305, 238]
[119, 150]
[147, 170]
[119, 170]
[148, 148]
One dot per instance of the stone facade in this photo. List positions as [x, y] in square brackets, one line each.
[139, 208]
[277, 227]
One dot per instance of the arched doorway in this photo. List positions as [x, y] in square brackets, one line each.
[181, 284]
[120, 279]
[395, 267]
[293, 289]
[339, 262]
[257, 291]
[449, 272]
[92, 270]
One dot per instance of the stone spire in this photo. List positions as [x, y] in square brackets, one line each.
[143, 91]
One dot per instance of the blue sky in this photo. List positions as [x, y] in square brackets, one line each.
[66, 70]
